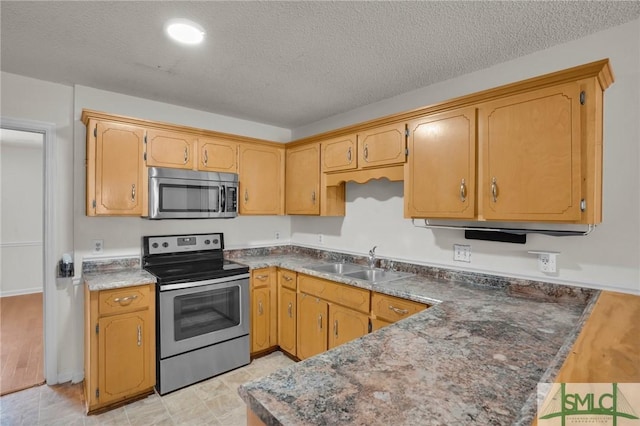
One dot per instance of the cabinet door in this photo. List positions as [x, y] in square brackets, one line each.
[377, 324]
[302, 180]
[261, 170]
[440, 178]
[260, 318]
[530, 146]
[115, 174]
[339, 153]
[170, 149]
[312, 325]
[124, 358]
[217, 155]
[346, 325]
[382, 146]
[287, 320]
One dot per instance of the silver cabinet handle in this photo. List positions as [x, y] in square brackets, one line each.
[335, 328]
[349, 155]
[494, 190]
[206, 157]
[139, 335]
[262, 277]
[365, 153]
[133, 192]
[125, 300]
[260, 310]
[246, 195]
[287, 278]
[290, 310]
[186, 155]
[463, 190]
[320, 321]
[398, 310]
[313, 196]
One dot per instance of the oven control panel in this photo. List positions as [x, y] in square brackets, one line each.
[182, 243]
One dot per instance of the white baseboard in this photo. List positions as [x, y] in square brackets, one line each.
[70, 376]
[21, 292]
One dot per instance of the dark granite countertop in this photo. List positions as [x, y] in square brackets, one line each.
[474, 357]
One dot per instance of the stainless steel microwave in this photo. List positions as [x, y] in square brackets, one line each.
[189, 194]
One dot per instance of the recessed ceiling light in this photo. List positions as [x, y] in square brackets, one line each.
[184, 31]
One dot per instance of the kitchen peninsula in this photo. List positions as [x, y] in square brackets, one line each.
[474, 357]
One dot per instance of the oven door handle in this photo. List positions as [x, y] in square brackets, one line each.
[179, 286]
[223, 199]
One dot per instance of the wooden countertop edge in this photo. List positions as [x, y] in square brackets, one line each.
[607, 349]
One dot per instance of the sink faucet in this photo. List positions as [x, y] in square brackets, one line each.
[372, 258]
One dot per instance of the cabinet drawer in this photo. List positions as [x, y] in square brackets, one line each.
[261, 277]
[351, 297]
[390, 308]
[125, 299]
[287, 279]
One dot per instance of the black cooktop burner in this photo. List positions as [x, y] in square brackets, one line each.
[195, 271]
[197, 257]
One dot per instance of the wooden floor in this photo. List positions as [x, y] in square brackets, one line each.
[21, 342]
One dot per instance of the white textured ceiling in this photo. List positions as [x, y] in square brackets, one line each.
[284, 63]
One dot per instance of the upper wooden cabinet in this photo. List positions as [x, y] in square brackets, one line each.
[538, 153]
[531, 156]
[302, 180]
[116, 176]
[170, 149]
[340, 153]
[440, 175]
[377, 147]
[382, 146]
[261, 175]
[217, 155]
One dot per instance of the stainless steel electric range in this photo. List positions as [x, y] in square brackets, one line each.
[202, 308]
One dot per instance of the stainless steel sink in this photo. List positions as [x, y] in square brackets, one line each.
[378, 275]
[336, 268]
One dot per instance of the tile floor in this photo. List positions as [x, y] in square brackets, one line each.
[212, 402]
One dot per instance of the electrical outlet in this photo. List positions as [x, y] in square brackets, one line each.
[320, 239]
[547, 262]
[462, 253]
[277, 235]
[98, 246]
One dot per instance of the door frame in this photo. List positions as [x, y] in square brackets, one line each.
[48, 130]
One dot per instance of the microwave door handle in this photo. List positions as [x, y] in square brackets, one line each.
[223, 199]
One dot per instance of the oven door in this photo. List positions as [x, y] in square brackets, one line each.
[195, 315]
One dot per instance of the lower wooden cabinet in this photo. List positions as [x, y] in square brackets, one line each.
[313, 314]
[263, 309]
[346, 325]
[119, 345]
[305, 315]
[387, 309]
[287, 311]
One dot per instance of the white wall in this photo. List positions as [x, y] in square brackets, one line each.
[30, 99]
[608, 258]
[21, 199]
